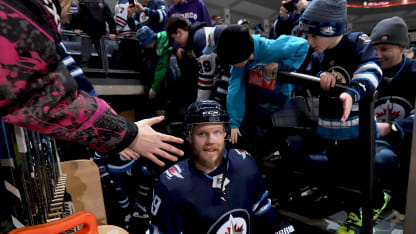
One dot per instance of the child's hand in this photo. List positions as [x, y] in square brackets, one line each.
[270, 68]
[346, 100]
[112, 36]
[152, 94]
[179, 53]
[328, 80]
[384, 129]
[139, 7]
[235, 133]
[131, 10]
[284, 13]
[78, 31]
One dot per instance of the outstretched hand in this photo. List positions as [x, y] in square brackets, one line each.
[149, 143]
[235, 133]
[346, 100]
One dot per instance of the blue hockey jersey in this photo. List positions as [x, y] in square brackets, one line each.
[396, 99]
[187, 200]
[354, 62]
[155, 16]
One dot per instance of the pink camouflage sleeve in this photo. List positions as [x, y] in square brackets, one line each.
[38, 93]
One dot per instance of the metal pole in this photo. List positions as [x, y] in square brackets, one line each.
[104, 59]
[367, 140]
[409, 223]
[305, 80]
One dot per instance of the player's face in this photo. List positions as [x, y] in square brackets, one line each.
[180, 37]
[208, 143]
[390, 55]
[320, 44]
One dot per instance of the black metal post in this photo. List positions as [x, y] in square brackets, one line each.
[367, 140]
[409, 223]
[104, 59]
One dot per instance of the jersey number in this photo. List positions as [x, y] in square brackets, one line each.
[155, 204]
[205, 67]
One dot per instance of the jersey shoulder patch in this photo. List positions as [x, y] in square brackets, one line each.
[242, 153]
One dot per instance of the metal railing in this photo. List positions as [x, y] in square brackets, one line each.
[367, 140]
[106, 80]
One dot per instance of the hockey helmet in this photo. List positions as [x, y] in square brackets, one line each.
[206, 111]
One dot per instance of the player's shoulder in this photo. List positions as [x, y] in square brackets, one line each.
[177, 173]
[241, 156]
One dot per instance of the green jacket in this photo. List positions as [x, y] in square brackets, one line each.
[163, 52]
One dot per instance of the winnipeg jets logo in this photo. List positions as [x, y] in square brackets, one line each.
[365, 38]
[232, 222]
[392, 108]
[242, 153]
[233, 226]
[328, 30]
[341, 75]
[174, 171]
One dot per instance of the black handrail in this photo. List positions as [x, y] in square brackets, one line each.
[367, 139]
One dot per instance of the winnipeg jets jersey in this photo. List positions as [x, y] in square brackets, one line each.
[396, 101]
[187, 200]
[354, 62]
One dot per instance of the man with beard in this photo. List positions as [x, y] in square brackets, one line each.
[216, 190]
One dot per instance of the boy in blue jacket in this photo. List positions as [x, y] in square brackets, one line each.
[347, 58]
[260, 57]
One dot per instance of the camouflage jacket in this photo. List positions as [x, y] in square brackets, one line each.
[36, 90]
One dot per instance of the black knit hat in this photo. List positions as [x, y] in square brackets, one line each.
[235, 44]
[390, 31]
[326, 18]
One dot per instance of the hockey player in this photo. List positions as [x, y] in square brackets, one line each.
[216, 190]
[201, 40]
[347, 58]
[394, 106]
[260, 57]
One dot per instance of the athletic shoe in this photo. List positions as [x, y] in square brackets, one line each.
[353, 223]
